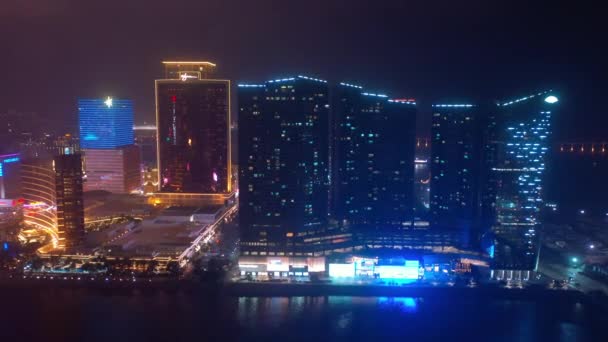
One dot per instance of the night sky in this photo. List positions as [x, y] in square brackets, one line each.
[56, 51]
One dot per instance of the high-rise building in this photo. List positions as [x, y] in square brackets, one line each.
[455, 166]
[193, 130]
[283, 166]
[422, 178]
[39, 193]
[518, 144]
[188, 70]
[115, 170]
[69, 198]
[373, 161]
[145, 139]
[105, 123]
[112, 162]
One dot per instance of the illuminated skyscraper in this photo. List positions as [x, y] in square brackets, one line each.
[520, 141]
[193, 123]
[105, 123]
[145, 139]
[69, 197]
[373, 162]
[455, 166]
[115, 170]
[112, 162]
[39, 193]
[283, 165]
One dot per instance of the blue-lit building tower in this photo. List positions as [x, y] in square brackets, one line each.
[520, 142]
[111, 160]
[455, 169]
[105, 123]
[283, 166]
[373, 147]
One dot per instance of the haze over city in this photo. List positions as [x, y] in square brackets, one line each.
[297, 170]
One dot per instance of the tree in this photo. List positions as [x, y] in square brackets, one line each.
[151, 267]
[173, 268]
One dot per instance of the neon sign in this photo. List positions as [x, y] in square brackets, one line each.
[11, 160]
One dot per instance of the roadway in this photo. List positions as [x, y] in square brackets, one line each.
[553, 265]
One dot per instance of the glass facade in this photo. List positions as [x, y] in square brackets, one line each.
[455, 165]
[522, 131]
[193, 123]
[105, 123]
[69, 197]
[373, 162]
[283, 166]
[114, 170]
[38, 181]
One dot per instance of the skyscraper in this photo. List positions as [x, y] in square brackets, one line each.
[105, 123]
[112, 162]
[455, 166]
[373, 162]
[114, 170]
[39, 193]
[69, 197]
[283, 165]
[193, 123]
[520, 141]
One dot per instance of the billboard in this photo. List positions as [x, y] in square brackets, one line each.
[342, 270]
[277, 265]
[409, 271]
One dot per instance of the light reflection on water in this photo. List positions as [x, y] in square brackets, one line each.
[337, 311]
[199, 316]
[405, 304]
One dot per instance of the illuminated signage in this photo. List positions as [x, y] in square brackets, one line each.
[342, 270]
[10, 160]
[185, 76]
[409, 271]
[277, 265]
[6, 203]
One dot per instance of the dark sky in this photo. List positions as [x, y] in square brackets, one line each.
[56, 51]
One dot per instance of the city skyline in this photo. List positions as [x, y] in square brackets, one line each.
[260, 165]
[549, 53]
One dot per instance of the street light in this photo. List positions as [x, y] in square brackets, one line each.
[574, 259]
[592, 246]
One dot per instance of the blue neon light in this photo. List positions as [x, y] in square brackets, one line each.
[282, 80]
[312, 79]
[453, 105]
[525, 98]
[1, 172]
[242, 85]
[5, 246]
[350, 85]
[11, 160]
[402, 102]
[372, 94]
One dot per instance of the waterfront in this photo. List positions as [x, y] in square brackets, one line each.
[76, 314]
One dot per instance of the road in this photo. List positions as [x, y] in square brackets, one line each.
[552, 265]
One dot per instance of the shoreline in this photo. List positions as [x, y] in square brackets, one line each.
[304, 290]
